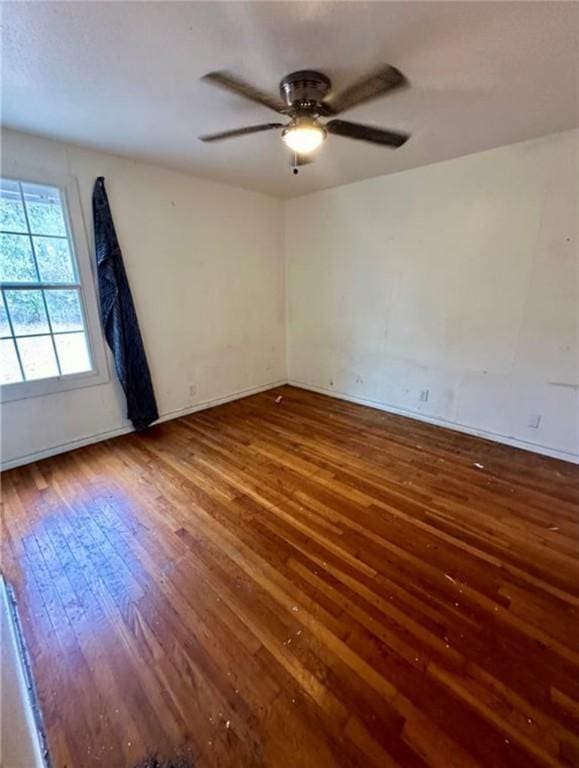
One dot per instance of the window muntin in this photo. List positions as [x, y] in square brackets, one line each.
[43, 329]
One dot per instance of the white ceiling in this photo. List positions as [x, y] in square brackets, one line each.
[124, 77]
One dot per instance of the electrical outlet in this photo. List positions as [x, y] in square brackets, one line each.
[424, 395]
[535, 421]
[192, 390]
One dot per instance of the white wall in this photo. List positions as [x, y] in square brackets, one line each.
[461, 278]
[205, 264]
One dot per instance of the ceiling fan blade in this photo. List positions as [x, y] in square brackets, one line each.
[241, 88]
[379, 82]
[367, 133]
[240, 132]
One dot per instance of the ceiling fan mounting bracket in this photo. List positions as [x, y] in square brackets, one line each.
[305, 88]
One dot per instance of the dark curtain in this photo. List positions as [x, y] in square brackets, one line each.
[119, 317]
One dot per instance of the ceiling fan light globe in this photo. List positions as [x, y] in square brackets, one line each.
[303, 139]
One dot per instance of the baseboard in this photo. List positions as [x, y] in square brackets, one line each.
[54, 450]
[381, 406]
[544, 450]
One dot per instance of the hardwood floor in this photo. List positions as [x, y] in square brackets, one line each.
[305, 584]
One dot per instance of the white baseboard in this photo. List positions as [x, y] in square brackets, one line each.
[544, 450]
[53, 450]
[381, 406]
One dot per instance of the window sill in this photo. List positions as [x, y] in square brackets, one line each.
[23, 390]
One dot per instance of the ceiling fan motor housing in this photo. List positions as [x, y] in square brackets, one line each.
[304, 89]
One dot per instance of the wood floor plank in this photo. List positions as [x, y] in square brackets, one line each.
[300, 582]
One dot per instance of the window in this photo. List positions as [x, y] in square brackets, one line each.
[45, 339]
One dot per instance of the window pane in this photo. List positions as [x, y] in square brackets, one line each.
[38, 358]
[64, 310]
[46, 318]
[54, 260]
[44, 210]
[4, 325]
[27, 312]
[16, 260]
[11, 208]
[9, 368]
[73, 353]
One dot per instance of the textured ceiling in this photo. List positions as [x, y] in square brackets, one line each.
[124, 77]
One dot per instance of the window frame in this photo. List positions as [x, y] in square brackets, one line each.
[87, 289]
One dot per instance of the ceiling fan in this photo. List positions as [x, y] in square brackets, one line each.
[303, 99]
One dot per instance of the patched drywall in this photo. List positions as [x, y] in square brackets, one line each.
[205, 264]
[450, 292]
